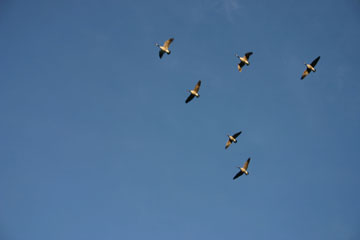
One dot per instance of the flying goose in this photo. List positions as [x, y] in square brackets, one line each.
[232, 139]
[243, 60]
[310, 68]
[243, 170]
[194, 92]
[165, 48]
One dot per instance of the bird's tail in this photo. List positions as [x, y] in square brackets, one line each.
[169, 52]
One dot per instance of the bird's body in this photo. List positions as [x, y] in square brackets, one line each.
[243, 60]
[243, 169]
[232, 139]
[194, 92]
[162, 48]
[165, 47]
[310, 68]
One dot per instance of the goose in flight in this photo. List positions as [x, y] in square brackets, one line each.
[243, 170]
[232, 139]
[243, 60]
[310, 68]
[194, 92]
[165, 48]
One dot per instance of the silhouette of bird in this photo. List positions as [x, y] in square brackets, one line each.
[194, 92]
[243, 60]
[232, 139]
[165, 48]
[310, 68]
[243, 170]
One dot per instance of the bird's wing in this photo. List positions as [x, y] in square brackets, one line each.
[248, 54]
[189, 98]
[305, 73]
[246, 164]
[228, 143]
[236, 134]
[238, 175]
[240, 65]
[161, 53]
[315, 61]
[197, 87]
[168, 42]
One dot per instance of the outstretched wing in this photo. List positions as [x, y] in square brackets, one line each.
[238, 175]
[161, 53]
[197, 87]
[305, 73]
[315, 61]
[228, 143]
[240, 65]
[189, 98]
[168, 42]
[236, 134]
[248, 54]
[247, 164]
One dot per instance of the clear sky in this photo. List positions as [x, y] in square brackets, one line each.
[96, 141]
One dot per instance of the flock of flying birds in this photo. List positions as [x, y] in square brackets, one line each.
[243, 61]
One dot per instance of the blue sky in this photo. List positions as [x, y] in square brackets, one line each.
[97, 143]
